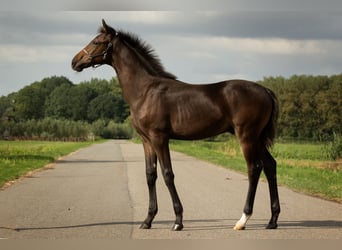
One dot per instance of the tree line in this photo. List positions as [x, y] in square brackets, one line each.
[57, 97]
[310, 106]
[56, 108]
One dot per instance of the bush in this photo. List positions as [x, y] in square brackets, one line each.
[46, 129]
[117, 131]
[333, 149]
[98, 126]
[65, 130]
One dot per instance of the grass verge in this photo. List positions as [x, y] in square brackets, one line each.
[19, 157]
[301, 167]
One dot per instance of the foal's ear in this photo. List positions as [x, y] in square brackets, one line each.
[104, 26]
[107, 29]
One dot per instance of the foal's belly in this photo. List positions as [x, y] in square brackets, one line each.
[199, 129]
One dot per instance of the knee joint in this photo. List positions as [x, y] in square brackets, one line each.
[151, 178]
[168, 176]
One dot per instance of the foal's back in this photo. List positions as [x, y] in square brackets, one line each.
[200, 111]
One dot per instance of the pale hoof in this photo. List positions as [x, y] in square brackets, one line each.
[239, 227]
[241, 224]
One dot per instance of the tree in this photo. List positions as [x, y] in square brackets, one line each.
[29, 103]
[102, 107]
[109, 103]
[81, 95]
[59, 104]
[47, 85]
[310, 106]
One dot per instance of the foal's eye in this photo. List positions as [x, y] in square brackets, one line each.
[95, 43]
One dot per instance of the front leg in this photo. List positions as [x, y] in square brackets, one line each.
[151, 177]
[163, 153]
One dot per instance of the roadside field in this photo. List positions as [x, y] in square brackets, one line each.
[17, 158]
[301, 166]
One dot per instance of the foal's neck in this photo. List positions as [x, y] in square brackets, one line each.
[133, 78]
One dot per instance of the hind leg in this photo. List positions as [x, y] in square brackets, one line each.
[271, 175]
[254, 170]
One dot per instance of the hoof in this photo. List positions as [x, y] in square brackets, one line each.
[272, 226]
[239, 227]
[145, 226]
[177, 227]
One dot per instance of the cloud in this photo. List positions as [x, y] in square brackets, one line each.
[35, 54]
[189, 5]
[197, 46]
[145, 17]
[275, 46]
[294, 25]
[210, 58]
[210, 47]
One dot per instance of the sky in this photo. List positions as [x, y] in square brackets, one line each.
[204, 45]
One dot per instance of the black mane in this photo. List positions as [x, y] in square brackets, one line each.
[146, 54]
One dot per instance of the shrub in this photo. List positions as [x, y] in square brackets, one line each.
[117, 131]
[333, 149]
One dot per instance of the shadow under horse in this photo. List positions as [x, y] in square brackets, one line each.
[163, 108]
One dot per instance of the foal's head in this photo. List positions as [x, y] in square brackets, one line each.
[98, 51]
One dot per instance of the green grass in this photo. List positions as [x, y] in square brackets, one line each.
[301, 166]
[19, 157]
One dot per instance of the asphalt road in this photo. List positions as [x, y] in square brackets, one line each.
[100, 192]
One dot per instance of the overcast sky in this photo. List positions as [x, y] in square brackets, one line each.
[196, 46]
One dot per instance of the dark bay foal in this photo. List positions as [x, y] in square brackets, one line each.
[163, 108]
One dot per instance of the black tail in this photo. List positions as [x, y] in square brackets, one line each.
[269, 132]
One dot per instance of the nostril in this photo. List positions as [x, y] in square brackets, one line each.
[73, 63]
